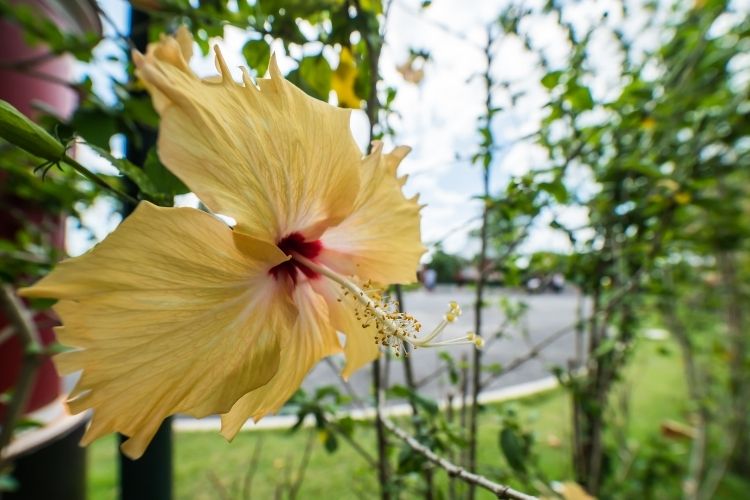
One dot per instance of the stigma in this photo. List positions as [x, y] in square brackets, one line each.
[391, 327]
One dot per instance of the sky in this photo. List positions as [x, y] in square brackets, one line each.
[437, 118]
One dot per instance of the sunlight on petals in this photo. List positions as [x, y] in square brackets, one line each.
[167, 315]
[310, 339]
[271, 157]
[380, 240]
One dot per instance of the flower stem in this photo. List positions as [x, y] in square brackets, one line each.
[98, 180]
[20, 320]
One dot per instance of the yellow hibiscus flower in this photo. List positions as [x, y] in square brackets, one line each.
[176, 312]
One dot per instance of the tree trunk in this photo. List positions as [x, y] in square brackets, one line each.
[738, 373]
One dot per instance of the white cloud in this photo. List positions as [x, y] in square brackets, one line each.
[438, 117]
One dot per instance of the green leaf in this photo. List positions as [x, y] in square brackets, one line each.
[96, 126]
[580, 97]
[551, 79]
[316, 72]
[494, 368]
[8, 483]
[362, 83]
[56, 348]
[346, 425]
[453, 373]
[426, 404]
[409, 461]
[513, 448]
[166, 183]
[142, 111]
[390, 96]
[642, 167]
[257, 54]
[28, 423]
[330, 442]
[557, 189]
[606, 347]
[373, 6]
[41, 304]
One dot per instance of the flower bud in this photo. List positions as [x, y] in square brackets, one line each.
[20, 131]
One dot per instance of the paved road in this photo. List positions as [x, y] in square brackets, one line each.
[546, 314]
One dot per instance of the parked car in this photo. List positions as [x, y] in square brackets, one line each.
[540, 284]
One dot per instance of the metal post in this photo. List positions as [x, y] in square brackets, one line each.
[149, 477]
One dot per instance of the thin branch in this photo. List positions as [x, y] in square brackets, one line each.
[40, 75]
[464, 415]
[614, 300]
[739, 389]
[697, 462]
[295, 486]
[453, 470]
[97, 180]
[481, 279]
[113, 25]
[382, 438]
[531, 354]
[453, 230]
[25, 257]
[410, 383]
[498, 334]
[23, 64]
[448, 30]
[715, 476]
[20, 318]
[371, 461]
[6, 333]
[219, 488]
[373, 110]
[252, 468]
[358, 401]
[347, 385]
[431, 376]
[444, 367]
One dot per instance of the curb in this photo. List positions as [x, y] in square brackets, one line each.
[213, 423]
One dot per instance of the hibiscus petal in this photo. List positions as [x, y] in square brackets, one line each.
[270, 156]
[380, 240]
[173, 312]
[360, 348]
[311, 339]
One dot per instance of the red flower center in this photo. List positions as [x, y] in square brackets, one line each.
[291, 244]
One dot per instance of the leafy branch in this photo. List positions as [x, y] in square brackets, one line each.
[453, 470]
[17, 129]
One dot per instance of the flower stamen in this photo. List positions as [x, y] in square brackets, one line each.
[393, 328]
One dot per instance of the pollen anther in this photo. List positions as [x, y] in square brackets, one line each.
[393, 328]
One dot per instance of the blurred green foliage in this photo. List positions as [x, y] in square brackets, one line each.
[665, 155]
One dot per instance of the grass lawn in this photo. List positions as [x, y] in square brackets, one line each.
[204, 459]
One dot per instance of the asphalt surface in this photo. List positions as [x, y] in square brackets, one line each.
[548, 314]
